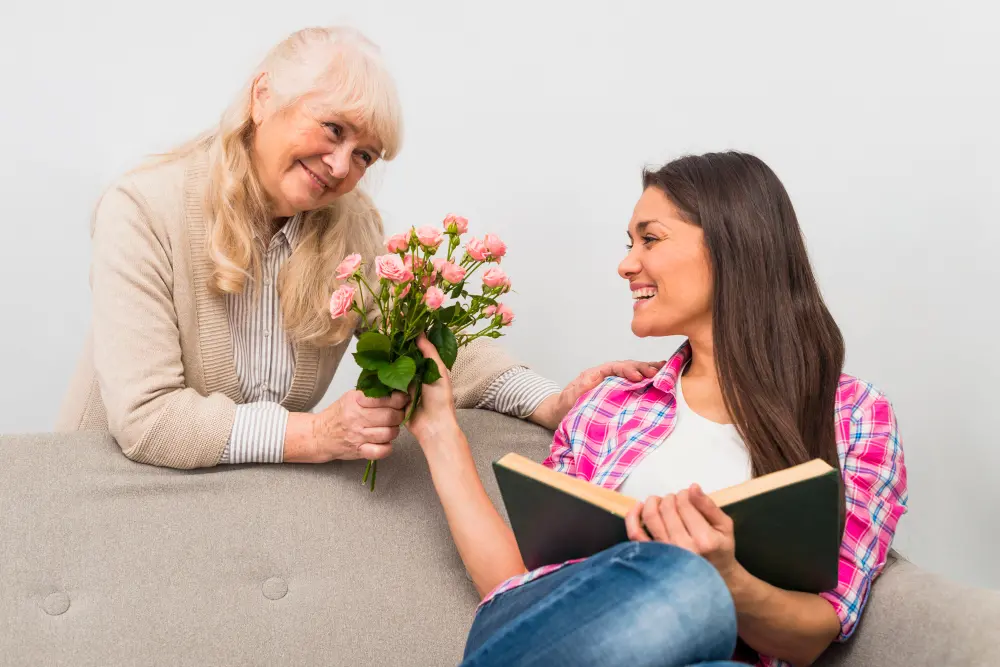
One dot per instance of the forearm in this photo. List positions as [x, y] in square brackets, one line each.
[792, 626]
[485, 543]
[300, 440]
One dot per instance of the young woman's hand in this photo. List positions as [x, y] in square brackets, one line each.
[435, 419]
[690, 520]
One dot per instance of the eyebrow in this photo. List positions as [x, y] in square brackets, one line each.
[641, 227]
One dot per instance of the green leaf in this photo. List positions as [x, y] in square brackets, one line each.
[398, 374]
[458, 290]
[432, 373]
[372, 360]
[372, 341]
[447, 346]
[377, 391]
[371, 386]
[364, 380]
[445, 315]
[494, 334]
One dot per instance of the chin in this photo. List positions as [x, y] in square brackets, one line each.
[302, 201]
[645, 326]
[640, 328]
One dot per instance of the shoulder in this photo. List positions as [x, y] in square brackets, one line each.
[867, 433]
[860, 400]
[152, 197]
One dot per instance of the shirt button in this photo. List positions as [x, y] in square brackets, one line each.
[267, 282]
[266, 333]
[262, 386]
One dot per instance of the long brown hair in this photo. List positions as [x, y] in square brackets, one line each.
[778, 351]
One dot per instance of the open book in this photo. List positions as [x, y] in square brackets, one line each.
[787, 524]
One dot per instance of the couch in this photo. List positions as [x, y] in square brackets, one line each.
[108, 562]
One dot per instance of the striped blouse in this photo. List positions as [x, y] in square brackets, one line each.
[265, 364]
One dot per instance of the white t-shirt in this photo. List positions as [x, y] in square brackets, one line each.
[697, 450]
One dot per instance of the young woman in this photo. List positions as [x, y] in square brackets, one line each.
[212, 271]
[715, 254]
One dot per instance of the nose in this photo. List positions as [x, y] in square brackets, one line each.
[630, 266]
[339, 162]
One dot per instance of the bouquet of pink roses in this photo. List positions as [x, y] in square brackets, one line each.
[409, 299]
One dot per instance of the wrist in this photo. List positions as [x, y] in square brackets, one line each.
[300, 439]
[549, 412]
[442, 435]
[746, 589]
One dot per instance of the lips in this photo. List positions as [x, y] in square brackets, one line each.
[315, 177]
[642, 291]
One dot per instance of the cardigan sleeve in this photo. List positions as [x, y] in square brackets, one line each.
[152, 414]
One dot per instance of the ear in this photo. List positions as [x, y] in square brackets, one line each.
[260, 98]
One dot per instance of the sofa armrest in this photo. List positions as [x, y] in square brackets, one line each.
[917, 619]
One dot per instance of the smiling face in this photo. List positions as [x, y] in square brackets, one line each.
[668, 270]
[305, 156]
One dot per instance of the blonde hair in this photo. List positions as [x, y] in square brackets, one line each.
[345, 69]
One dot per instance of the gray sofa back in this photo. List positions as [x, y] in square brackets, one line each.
[107, 562]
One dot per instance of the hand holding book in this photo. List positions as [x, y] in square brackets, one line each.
[691, 520]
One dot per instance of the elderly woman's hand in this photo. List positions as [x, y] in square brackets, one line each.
[353, 427]
[552, 410]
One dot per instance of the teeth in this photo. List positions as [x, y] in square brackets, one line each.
[644, 293]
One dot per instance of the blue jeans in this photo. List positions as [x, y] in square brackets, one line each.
[637, 604]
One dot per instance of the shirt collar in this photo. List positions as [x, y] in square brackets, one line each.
[666, 378]
[293, 230]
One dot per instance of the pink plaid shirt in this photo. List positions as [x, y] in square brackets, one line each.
[613, 427]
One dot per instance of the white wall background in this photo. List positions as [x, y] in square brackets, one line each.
[533, 119]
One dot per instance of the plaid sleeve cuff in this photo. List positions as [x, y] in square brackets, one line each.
[258, 434]
[517, 392]
[849, 603]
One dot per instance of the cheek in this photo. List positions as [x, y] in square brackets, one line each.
[686, 283]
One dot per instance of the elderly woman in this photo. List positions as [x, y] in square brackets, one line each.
[213, 266]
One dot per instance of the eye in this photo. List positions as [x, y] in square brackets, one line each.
[646, 240]
[366, 157]
[335, 129]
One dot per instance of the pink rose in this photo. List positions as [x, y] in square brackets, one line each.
[349, 266]
[506, 314]
[477, 250]
[398, 242]
[453, 273]
[439, 263]
[406, 290]
[490, 311]
[391, 267]
[456, 224]
[495, 246]
[429, 237]
[341, 301]
[495, 277]
[434, 298]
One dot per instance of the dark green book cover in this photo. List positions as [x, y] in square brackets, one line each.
[789, 535]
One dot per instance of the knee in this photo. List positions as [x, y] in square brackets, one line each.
[678, 578]
[678, 604]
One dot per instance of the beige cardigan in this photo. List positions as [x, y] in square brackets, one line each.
[157, 370]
